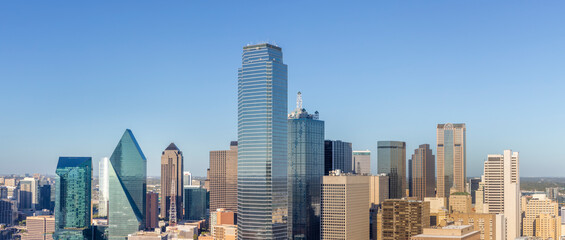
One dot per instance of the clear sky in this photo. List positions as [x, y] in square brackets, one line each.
[74, 75]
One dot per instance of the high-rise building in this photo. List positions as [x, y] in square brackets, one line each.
[345, 207]
[45, 197]
[362, 162]
[152, 211]
[8, 212]
[171, 180]
[29, 194]
[39, 228]
[539, 204]
[337, 155]
[305, 170]
[548, 226]
[402, 219]
[451, 158]
[379, 188]
[195, 202]
[423, 173]
[485, 223]
[460, 202]
[502, 189]
[103, 187]
[392, 162]
[409, 192]
[221, 217]
[480, 206]
[451, 232]
[72, 198]
[223, 178]
[473, 187]
[127, 178]
[187, 178]
[262, 139]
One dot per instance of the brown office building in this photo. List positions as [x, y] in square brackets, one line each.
[451, 232]
[451, 158]
[223, 179]
[171, 173]
[485, 223]
[402, 219]
[39, 228]
[460, 202]
[151, 210]
[423, 173]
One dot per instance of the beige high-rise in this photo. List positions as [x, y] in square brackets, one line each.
[171, 173]
[451, 158]
[460, 203]
[402, 219]
[345, 207]
[537, 206]
[548, 226]
[483, 222]
[223, 179]
[379, 189]
[39, 228]
[502, 189]
[423, 172]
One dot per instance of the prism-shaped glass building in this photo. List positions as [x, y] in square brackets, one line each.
[72, 199]
[127, 184]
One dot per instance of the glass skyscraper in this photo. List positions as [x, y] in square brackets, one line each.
[305, 170]
[392, 162]
[72, 200]
[262, 139]
[451, 158]
[127, 184]
[195, 203]
[338, 155]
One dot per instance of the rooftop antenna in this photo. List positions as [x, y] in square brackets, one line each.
[173, 207]
[299, 101]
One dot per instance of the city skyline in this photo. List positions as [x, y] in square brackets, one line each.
[65, 107]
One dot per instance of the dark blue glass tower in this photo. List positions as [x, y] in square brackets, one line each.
[305, 170]
[262, 138]
[72, 199]
[195, 203]
[127, 184]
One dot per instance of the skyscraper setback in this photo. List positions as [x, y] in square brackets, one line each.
[127, 177]
[423, 172]
[262, 140]
[392, 162]
[171, 174]
[305, 170]
[223, 179]
[451, 158]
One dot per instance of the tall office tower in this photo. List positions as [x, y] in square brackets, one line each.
[103, 187]
[187, 178]
[473, 187]
[345, 207]
[29, 193]
[539, 204]
[223, 179]
[392, 161]
[379, 189]
[402, 219]
[362, 162]
[127, 177]
[171, 173]
[8, 212]
[73, 185]
[502, 189]
[152, 211]
[460, 202]
[305, 170]
[410, 191]
[45, 197]
[548, 226]
[423, 172]
[337, 155]
[451, 232]
[262, 138]
[39, 228]
[484, 222]
[451, 158]
[195, 202]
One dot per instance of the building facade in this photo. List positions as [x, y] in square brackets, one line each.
[402, 219]
[127, 179]
[502, 189]
[451, 232]
[362, 162]
[103, 187]
[379, 189]
[152, 211]
[223, 179]
[451, 158]
[460, 202]
[39, 228]
[485, 223]
[337, 155]
[538, 205]
[305, 170]
[262, 144]
[195, 201]
[171, 181]
[73, 187]
[345, 207]
[423, 173]
[392, 162]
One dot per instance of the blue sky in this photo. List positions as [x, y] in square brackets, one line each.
[74, 75]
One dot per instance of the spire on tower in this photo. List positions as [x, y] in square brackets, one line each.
[299, 101]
